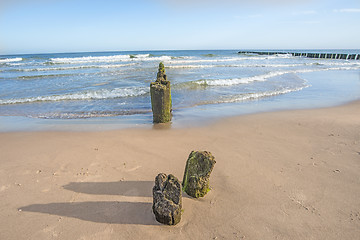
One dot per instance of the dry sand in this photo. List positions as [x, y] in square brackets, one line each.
[281, 175]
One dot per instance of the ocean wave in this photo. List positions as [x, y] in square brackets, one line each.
[139, 55]
[234, 65]
[344, 68]
[191, 66]
[333, 63]
[263, 77]
[228, 59]
[236, 81]
[187, 61]
[44, 76]
[15, 64]
[72, 68]
[113, 58]
[9, 60]
[86, 95]
[182, 57]
[255, 96]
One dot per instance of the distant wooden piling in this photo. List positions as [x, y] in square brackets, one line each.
[308, 55]
[160, 92]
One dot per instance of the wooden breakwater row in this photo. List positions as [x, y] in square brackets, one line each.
[309, 55]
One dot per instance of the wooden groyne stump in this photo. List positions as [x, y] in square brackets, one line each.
[167, 199]
[160, 92]
[197, 173]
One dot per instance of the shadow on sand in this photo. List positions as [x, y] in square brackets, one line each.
[100, 212]
[104, 211]
[123, 188]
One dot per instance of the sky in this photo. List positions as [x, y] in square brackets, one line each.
[51, 26]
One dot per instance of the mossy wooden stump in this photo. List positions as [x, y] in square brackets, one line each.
[161, 97]
[197, 173]
[167, 199]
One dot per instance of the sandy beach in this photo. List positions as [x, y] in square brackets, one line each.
[279, 175]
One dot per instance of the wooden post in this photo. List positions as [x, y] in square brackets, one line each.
[197, 173]
[161, 97]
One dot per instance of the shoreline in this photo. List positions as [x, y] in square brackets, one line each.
[286, 174]
[181, 119]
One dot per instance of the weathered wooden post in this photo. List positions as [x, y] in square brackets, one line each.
[161, 97]
[167, 199]
[197, 173]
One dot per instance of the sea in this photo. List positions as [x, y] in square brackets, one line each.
[107, 90]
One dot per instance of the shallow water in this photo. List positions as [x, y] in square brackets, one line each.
[112, 88]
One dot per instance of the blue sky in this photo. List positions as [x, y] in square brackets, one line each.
[41, 26]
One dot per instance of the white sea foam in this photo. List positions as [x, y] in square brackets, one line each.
[109, 59]
[92, 114]
[9, 60]
[254, 96]
[16, 64]
[228, 59]
[114, 65]
[234, 65]
[114, 58]
[187, 61]
[236, 81]
[75, 67]
[86, 95]
[141, 55]
[344, 68]
[191, 66]
[264, 77]
[334, 63]
[259, 95]
[161, 58]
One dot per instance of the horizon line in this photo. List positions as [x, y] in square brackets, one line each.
[161, 50]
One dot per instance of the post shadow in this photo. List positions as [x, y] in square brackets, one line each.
[100, 212]
[124, 188]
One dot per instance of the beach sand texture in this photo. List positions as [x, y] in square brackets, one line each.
[280, 175]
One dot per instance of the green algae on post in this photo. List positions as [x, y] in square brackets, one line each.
[197, 173]
[160, 92]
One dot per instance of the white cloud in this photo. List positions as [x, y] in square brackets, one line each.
[348, 10]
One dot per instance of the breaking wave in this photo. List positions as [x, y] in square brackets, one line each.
[255, 96]
[9, 60]
[44, 76]
[72, 68]
[86, 95]
[236, 81]
[234, 65]
[108, 59]
[227, 59]
[263, 77]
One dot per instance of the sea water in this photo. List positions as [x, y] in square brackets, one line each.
[113, 87]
